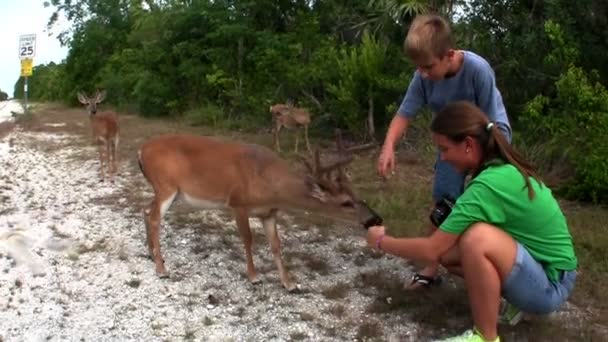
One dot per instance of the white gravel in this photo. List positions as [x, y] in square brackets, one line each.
[89, 279]
[7, 108]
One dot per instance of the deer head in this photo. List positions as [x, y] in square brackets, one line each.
[280, 109]
[91, 102]
[330, 187]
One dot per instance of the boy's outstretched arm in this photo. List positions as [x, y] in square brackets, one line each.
[386, 161]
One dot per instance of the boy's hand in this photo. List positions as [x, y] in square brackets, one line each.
[386, 162]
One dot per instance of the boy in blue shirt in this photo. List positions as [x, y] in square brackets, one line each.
[443, 75]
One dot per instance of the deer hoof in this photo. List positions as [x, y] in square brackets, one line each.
[293, 287]
[254, 279]
[162, 272]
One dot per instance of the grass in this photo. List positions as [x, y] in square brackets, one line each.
[336, 291]
[370, 331]
[337, 310]
[404, 201]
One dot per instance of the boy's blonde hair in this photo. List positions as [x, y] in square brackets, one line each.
[429, 36]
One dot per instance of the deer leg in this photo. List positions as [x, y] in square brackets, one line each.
[117, 139]
[297, 138]
[153, 215]
[270, 226]
[110, 158]
[114, 146]
[277, 129]
[306, 137]
[100, 148]
[242, 221]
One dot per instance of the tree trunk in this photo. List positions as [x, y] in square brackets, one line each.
[241, 53]
[370, 115]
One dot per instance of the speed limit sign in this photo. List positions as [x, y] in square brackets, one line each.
[27, 46]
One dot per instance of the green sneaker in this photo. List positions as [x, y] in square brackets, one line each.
[469, 336]
[509, 314]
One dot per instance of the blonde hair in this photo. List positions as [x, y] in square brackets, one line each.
[429, 36]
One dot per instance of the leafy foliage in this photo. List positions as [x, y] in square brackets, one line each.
[46, 83]
[340, 59]
[573, 122]
[365, 83]
[576, 121]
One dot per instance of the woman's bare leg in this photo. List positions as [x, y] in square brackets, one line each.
[487, 256]
[430, 270]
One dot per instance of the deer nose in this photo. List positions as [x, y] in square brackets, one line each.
[373, 219]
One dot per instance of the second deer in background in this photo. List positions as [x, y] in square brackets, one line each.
[288, 116]
[105, 131]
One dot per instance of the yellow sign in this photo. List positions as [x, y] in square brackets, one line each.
[26, 67]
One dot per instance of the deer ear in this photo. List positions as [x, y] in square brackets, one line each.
[318, 193]
[100, 96]
[315, 191]
[82, 98]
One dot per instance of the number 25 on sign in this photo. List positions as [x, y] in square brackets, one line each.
[27, 46]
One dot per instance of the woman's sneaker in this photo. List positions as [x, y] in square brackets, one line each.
[509, 314]
[469, 336]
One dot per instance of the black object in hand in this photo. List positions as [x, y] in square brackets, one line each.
[442, 210]
[374, 220]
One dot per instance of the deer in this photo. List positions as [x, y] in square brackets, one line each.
[105, 132]
[288, 116]
[248, 179]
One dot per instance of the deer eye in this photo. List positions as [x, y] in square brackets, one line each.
[348, 204]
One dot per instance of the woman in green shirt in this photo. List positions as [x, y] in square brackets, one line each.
[506, 235]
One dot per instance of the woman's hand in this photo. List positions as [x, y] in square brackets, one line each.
[374, 235]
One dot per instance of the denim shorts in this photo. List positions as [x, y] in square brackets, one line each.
[448, 181]
[529, 289]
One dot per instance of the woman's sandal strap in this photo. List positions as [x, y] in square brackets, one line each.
[423, 280]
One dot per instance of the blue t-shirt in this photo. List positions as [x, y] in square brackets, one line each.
[474, 82]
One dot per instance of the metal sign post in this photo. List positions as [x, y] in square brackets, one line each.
[27, 51]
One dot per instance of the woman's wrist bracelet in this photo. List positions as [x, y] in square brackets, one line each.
[379, 241]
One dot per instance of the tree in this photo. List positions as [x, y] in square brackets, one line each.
[365, 76]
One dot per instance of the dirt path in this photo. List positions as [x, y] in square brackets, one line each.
[101, 286]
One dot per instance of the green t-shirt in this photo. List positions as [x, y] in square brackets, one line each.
[498, 196]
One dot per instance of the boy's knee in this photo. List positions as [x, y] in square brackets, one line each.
[447, 181]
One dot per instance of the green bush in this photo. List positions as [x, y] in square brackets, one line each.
[208, 115]
[154, 96]
[574, 122]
